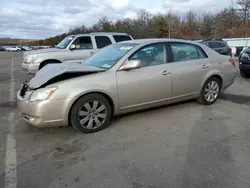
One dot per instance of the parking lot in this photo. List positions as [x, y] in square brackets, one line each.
[180, 146]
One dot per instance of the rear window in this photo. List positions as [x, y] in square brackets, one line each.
[120, 38]
[214, 44]
[223, 45]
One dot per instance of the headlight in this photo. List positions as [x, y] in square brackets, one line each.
[245, 55]
[42, 94]
[28, 59]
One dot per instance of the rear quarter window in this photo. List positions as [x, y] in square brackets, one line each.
[120, 38]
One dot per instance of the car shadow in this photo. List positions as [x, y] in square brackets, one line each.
[115, 119]
[239, 99]
[209, 160]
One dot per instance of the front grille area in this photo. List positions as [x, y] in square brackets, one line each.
[24, 89]
[25, 116]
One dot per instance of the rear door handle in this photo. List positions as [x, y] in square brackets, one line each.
[205, 66]
[165, 72]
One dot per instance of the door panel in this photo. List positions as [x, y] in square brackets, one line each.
[188, 76]
[190, 65]
[144, 85]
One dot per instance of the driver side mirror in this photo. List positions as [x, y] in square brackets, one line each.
[131, 64]
[72, 47]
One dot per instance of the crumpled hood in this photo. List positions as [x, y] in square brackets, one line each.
[51, 71]
[43, 51]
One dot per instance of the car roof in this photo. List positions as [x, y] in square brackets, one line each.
[99, 33]
[155, 40]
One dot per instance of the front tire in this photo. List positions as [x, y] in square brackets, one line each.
[243, 74]
[91, 113]
[210, 91]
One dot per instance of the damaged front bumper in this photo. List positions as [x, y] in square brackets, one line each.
[48, 113]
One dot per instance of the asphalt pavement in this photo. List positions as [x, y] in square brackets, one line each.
[186, 145]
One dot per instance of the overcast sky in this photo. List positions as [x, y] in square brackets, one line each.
[45, 18]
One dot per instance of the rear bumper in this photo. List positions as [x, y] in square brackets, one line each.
[30, 68]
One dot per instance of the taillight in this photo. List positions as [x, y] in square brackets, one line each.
[232, 62]
[230, 50]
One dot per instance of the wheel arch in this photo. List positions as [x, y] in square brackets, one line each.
[49, 60]
[111, 101]
[217, 75]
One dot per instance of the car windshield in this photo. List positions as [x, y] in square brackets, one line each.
[109, 56]
[65, 42]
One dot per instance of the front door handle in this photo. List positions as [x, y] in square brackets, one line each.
[205, 66]
[165, 72]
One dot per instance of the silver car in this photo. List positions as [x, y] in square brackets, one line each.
[121, 78]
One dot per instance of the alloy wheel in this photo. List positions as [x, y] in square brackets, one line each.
[212, 90]
[92, 114]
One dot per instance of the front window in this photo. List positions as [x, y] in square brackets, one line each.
[107, 57]
[83, 43]
[65, 42]
[154, 54]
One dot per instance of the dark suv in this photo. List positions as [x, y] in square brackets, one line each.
[218, 45]
[244, 60]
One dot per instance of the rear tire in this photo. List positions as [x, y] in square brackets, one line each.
[90, 113]
[210, 91]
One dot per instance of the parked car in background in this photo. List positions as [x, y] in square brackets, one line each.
[40, 47]
[121, 78]
[244, 63]
[72, 49]
[2, 48]
[218, 45]
[239, 50]
[13, 49]
[22, 49]
[27, 48]
[243, 50]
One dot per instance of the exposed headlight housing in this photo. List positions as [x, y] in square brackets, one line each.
[42, 94]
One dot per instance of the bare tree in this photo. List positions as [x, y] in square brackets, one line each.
[105, 24]
[230, 22]
[243, 10]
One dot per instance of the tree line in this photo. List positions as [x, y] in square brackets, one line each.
[230, 22]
